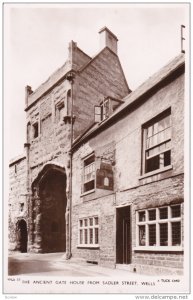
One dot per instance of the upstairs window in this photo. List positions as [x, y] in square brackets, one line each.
[106, 108]
[35, 130]
[89, 174]
[157, 143]
[60, 110]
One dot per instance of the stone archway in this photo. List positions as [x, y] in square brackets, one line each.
[50, 208]
[22, 236]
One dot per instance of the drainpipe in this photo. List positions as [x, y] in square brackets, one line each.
[70, 77]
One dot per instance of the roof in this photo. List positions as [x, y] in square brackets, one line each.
[135, 96]
[17, 159]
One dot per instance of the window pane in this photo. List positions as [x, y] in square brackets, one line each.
[167, 133]
[91, 221]
[167, 158]
[86, 236]
[176, 211]
[89, 186]
[152, 214]
[85, 222]
[163, 213]
[96, 220]
[141, 216]
[176, 234]
[91, 236]
[81, 223]
[164, 234]
[155, 128]
[81, 236]
[97, 110]
[152, 235]
[142, 235]
[150, 131]
[152, 163]
[96, 236]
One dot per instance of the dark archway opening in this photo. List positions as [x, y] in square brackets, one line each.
[22, 237]
[52, 192]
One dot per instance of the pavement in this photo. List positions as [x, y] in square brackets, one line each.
[54, 264]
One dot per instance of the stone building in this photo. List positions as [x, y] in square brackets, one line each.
[127, 183]
[57, 112]
[102, 178]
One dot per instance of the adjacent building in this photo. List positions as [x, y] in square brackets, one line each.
[128, 174]
[103, 174]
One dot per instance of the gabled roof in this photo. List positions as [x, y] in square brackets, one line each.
[149, 86]
[97, 55]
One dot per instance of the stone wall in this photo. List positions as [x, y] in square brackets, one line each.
[102, 77]
[18, 206]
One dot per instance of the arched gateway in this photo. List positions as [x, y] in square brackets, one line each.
[48, 223]
[21, 234]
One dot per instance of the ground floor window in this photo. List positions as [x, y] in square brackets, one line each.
[89, 231]
[159, 227]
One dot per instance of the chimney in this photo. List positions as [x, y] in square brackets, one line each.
[28, 91]
[108, 39]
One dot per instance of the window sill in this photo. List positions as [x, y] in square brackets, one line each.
[170, 167]
[159, 248]
[87, 193]
[88, 246]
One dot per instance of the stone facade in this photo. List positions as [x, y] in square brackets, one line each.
[56, 113]
[108, 191]
[18, 208]
[118, 141]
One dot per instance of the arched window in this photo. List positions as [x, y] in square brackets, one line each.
[28, 132]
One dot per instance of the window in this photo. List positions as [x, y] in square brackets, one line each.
[106, 108]
[157, 143]
[89, 174]
[35, 130]
[21, 207]
[159, 227]
[60, 110]
[89, 231]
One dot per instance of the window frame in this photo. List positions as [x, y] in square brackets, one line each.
[160, 153]
[169, 221]
[88, 227]
[91, 156]
[59, 108]
[36, 128]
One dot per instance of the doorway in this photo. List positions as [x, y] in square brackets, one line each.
[22, 236]
[53, 209]
[123, 235]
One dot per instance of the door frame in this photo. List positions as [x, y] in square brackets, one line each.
[127, 207]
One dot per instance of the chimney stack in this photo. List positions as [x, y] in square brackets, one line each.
[28, 91]
[108, 39]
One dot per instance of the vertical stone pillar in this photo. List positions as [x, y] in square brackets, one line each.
[30, 224]
[38, 234]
